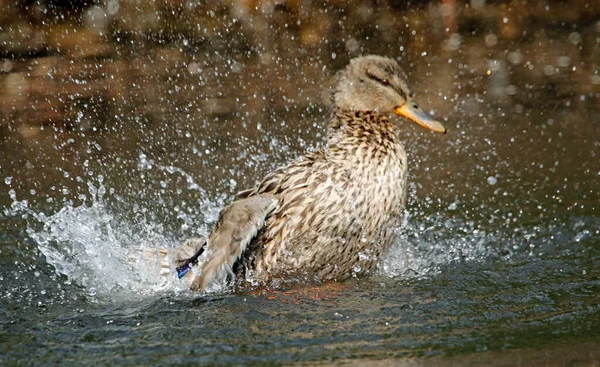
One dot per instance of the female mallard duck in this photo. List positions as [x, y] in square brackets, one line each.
[331, 213]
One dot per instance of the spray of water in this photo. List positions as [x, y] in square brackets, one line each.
[108, 253]
[98, 249]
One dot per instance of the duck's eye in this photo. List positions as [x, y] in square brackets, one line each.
[385, 82]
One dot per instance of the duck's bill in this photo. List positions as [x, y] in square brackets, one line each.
[411, 110]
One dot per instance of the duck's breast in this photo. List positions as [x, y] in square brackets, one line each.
[342, 217]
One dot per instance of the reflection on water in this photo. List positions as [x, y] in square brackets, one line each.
[138, 140]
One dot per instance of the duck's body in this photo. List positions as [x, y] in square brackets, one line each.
[331, 213]
[337, 206]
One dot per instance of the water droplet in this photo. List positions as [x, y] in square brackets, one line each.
[564, 61]
[575, 37]
[549, 70]
[491, 39]
[515, 57]
[8, 180]
[492, 180]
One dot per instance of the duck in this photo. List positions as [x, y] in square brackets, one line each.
[330, 214]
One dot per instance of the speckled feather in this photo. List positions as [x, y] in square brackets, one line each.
[338, 206]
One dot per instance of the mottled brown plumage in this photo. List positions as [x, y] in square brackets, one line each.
[332, 212]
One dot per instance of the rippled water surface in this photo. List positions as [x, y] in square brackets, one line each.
[497, 261]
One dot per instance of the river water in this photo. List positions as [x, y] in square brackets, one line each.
[497, 261]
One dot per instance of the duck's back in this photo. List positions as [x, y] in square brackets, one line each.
[338, 206]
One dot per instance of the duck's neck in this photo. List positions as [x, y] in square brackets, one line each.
[361, 127]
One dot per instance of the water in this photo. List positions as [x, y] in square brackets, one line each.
[497, 261]
[503, 270]
[539, 290]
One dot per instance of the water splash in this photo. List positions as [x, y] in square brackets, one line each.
[104, 250]
[111, 255]
[431, 240]
[425, 245]
[99, 250]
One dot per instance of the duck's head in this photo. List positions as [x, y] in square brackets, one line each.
[376, 83]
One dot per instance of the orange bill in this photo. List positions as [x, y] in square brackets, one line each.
[411, 110]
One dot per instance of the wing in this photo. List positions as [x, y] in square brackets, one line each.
[237, 226]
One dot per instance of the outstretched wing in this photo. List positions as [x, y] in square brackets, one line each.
[237, 225]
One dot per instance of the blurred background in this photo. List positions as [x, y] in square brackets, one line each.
[76, 64]
[131, 123]
[84, 80]
[109, 74]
